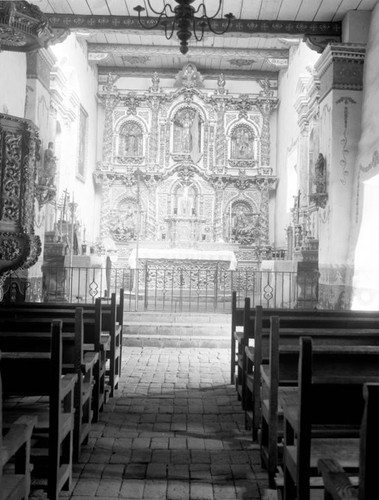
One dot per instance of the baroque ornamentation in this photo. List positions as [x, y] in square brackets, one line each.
[345, 151]
[23, 27]
[189, 77]
[19, 152]
[319, 196]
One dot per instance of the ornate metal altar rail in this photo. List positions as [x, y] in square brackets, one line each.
[174, 289]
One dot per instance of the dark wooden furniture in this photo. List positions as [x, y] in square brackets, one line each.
[15, 456]
[34, 384]
[337, 483]
[33, 334]
[292, 324]
[102, 323]
[325, 422]
[279, 377]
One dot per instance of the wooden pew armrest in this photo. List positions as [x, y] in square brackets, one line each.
[337, 483]
[89, 360]
[249, 352]
[19, 433]
[105, 341]
[238, 336]
[68, 383]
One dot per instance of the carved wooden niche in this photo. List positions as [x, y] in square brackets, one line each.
[19, 152]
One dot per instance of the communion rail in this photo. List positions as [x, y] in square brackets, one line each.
[170, 289]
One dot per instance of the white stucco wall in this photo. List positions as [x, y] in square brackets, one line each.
[364, 246]
[81, 80]
[12, 83]
[301, 58]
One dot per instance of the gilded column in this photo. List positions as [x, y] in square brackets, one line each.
[220, 134]
[153, 136]
[266, 105]
[264, 186]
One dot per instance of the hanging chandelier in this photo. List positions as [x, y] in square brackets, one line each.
[185, 19]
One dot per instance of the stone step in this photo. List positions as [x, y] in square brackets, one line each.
[169, 317]
[176, 330]
[175, 341]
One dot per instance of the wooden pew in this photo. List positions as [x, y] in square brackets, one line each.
[112, 323]
[35, 335]
[331, 319]
[325, 421]
[300, 322]
[42, 391]
[236, 325]
[103, 322]
[239, 340]
[279, 378]
[95, 340]
[337, 483]
[15, 456]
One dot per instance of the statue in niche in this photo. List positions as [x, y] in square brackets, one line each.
[49, 167]
[186, 132]
[186, 201]
[320, 174]
[242, 144]
[131, 140]
[125, 228]
[244, 225]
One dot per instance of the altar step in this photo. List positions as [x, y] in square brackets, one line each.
[176, 330]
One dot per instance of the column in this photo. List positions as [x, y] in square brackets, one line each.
[266, 106]
[340, 70]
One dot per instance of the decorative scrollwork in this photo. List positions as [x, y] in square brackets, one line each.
[9, 249]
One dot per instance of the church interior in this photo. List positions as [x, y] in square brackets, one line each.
[182, 156]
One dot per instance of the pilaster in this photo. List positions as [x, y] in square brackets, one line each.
[340, 70]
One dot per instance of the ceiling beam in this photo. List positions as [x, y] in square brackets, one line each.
[173, 72]
[248, 26]
[121, 49]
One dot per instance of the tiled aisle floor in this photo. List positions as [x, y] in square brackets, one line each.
[175, 430]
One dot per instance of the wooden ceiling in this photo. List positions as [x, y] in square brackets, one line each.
[256, 44]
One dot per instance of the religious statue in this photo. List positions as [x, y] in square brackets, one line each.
[242, 144]
[221, 84]
[155, 80]
[131, 139]
[49, 168]
[187, 134]
[186, 138]
[186, 201]
[125, 226]
[320, 174]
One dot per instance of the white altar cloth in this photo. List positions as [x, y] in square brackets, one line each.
[182, 254]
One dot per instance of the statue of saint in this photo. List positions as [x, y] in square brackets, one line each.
[49, 166]
[320, 174]
[187, 133]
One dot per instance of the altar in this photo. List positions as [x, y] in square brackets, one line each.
[182, 257]
[177, 271]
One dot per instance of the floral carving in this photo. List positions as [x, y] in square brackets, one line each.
[19, 143]
[9, 249]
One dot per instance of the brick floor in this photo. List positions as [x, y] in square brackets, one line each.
[174, 430]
